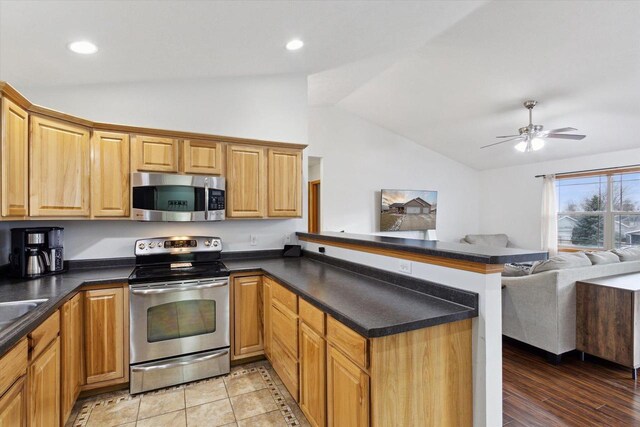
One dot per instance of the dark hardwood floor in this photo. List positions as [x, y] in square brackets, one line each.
[574, 393]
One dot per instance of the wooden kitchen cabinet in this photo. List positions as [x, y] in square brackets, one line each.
[247, 317]
[43, 392]
[104, 336]
[347, 392]
[284, 342]
[266, 315]
[312, 375]
[154, 154]
[284, 183]
[71, 364]
[13, 405]
[202, 157]
[60, 160]
[246, 182]
[14, 156]
[110, 174]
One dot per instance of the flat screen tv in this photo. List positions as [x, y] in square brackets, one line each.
[408, 210]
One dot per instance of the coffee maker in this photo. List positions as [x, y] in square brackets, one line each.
[36, 251]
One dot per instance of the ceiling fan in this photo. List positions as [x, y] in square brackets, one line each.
[532, 136]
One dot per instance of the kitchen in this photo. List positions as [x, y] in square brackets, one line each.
[343, 341]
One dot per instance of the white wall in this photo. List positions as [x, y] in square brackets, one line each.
[360, 158]
[272, 108]
[512, 197]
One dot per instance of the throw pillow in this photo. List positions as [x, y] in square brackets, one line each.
[628, 254]
[562, 261]
[602, 257]
[516, 270]
[494, 240]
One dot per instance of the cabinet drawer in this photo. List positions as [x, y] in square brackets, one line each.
[312, 316]
[13, 365]
[352, 344]
[285, 366]
[40, 338]
[284, 327]
[286, 297]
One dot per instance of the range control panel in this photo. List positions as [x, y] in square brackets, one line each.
[177, 244]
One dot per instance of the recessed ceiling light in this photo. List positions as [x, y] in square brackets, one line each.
[295, 44]
[83, 47]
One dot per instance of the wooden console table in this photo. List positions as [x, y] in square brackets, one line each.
[607, 311]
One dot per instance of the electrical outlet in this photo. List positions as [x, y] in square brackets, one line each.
[404, 266]
[253, 239]
[287, 239]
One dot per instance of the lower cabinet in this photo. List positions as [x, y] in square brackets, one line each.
[266, 314]
[247, 318]
[313, 400]
[44, 388]
[71, 365]
[347, 392]
[13, 405]
[104, 342]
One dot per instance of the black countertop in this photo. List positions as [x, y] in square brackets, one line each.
[370, 306]
[458, 251]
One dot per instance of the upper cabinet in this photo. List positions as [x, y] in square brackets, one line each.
[110, 174]
[246, 182]
[59, 168]
[154, 154]
[14, 125]
[202, 157]
[285, 183]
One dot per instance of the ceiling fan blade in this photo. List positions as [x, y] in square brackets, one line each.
[563, 136]
[507, 136]
[546, 132]
[500, 142]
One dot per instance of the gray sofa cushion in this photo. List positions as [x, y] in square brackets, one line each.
[494, 240]
[628, 254]
[562, 261]
[602, 257]
[516, 270]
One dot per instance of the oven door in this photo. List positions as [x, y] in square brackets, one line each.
[167, 197]
[176, 318]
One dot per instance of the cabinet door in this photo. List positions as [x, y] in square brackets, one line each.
[154, 154]
[59, 169]
[312, 375]
[13, 405]
[203, 157]
[44, 388]
[104, 335]
[285, 183]
[110, 174]
[14, 148]
[246, 182]
[71, 351]
[266, 313]
[347, 392]
[247, 316]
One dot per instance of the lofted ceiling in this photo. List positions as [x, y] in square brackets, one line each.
[579, 59]
[161, 40]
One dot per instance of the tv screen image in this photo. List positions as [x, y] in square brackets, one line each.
[408, 210]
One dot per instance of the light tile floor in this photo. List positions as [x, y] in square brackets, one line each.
[252, 395]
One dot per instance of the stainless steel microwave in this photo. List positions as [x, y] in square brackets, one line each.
[168, 197]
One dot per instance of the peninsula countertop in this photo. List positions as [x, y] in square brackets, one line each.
[456, 251]
[370, 306]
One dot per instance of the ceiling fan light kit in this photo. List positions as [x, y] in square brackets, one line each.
[532, 137]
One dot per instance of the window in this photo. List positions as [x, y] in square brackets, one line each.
[599, 211]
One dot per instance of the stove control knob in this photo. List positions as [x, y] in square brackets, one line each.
[207, 242]
[141, 245]
[152, 245]
[215, 243]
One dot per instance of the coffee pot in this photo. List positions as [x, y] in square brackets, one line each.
[37, 262]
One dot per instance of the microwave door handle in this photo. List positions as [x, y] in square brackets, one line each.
[206, 199]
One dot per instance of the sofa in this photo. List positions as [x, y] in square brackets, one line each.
[540, 308]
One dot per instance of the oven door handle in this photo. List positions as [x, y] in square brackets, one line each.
[189, 361]
[178, 288]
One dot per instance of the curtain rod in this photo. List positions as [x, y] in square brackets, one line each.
[590, 170]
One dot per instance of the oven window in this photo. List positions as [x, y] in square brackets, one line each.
[181, 319]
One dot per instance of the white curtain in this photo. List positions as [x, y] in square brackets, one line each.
[549, 216]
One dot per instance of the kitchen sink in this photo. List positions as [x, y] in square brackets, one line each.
[12, 310]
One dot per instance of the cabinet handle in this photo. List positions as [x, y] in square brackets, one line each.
[360, 393]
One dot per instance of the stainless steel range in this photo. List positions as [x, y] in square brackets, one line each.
[179, 312]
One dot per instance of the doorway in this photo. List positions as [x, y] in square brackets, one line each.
[315, 178]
